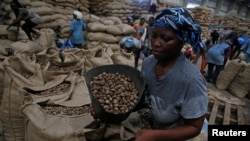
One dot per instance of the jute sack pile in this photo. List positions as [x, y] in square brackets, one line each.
[240, 86]
[99, 56]
[27, 46]
[50, 53]
[75, 65]
[107, 29]
[18, 72]
[227, 76]
[3, 31]
[56, 112]
[123, 57]
[73, 53]
[47, 37]
[25, 2]
[66, 89]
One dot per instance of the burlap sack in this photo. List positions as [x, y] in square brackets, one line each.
[50, 53]
[226, 76]
[5, 44]
[124, 58]
[100, 56]
[12, 34]
[18, 72]
[101, 37]
[91, 18]
[114, 47]
[47, 37]
[42, 126]
[25, 2]
[27, 46]
[112, 29]
[126, 29]
[95, 45]
[61, 115]
[42, 10]
[59, 89]
[240, 86]
[69, 55]
[3, 31]
[106, 21]
[69, 63]
[96, 27]
[38, 4]
[116, 20]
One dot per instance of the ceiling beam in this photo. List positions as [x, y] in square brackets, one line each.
[242, 7]
[204, 2]
[232, 5]
[248, 13]
[185, 3]
[218, 6]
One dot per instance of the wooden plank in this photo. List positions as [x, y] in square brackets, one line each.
[227, 113]
[214, 112]
[240, 116]
[218, 95]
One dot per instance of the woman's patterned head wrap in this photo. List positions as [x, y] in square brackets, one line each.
[183, 25]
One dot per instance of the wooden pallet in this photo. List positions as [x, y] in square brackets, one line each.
[224, 112]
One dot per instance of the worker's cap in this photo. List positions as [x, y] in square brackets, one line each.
[78, 15]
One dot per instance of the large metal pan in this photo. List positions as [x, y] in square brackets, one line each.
[128, 71]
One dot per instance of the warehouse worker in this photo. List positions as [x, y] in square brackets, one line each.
[237, 48]
[77, 26]
[131, 44]
[246, 50]
[31, 19]
[140, 29]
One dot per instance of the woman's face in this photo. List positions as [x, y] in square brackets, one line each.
[165, 44]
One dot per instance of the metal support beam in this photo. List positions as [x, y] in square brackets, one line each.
[218, 6]
[242, 8]
[248, 13]
[185, 3]
[232, 5]
[204, 2]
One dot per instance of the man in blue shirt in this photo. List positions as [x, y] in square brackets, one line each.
[77, 26]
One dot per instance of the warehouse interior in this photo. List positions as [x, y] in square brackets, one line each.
[57, 74]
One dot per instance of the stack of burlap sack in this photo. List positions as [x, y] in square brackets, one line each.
[203, 16]
[162, 4]
[241, 24]
[235, 78]
[120, 8]
[56, 14]
[44, 94]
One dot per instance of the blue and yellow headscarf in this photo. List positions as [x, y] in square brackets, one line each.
[183, 25]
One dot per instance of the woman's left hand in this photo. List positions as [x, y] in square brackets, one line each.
[145, 135]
